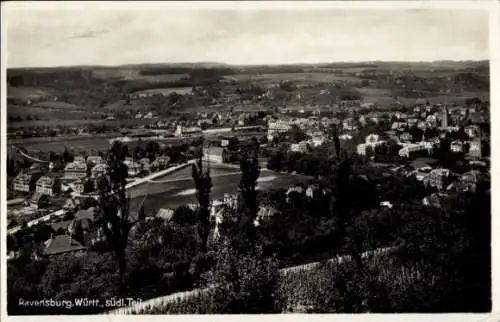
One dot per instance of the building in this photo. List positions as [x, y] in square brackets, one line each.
[146, 164]
[437, 178]
[317, 141]
[48, 185]
[345, 137]
[406, 137]
[96, 159]
[431, 121]
[310, 191]
[456, 146]
[401, 116]
[79, 159]
[412, 121]
[371, 141]
[165, 214]
[471, 178]
[215, 154]
[266, 213]
[163, 161]
[475, 149]
[224, 142]
[186, 131]
[278, 127]
[62, 244]
[231, 200]
[472, 131]
[79, 186]
[75, 170]
[25, 182]
[412, 148]
[300, 147]
[434, 200]
[133, 169]
[398, 126]
[71, 204]
[99, 170]
[422, 125]
[349, 124]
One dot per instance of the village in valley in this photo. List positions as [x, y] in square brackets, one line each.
[343, 187]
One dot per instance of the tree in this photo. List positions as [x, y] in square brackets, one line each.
[250, 171]
[247, 279]
[296, 134]
[114, 207]
[184, 215]
[67, 156]
[234, 144]
[203, 185]
[152, 149]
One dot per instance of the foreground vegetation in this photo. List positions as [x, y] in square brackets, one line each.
[441, 261]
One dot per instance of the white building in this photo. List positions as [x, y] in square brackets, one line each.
[371, 141]
[75, 170]
[133, 168]
[215, 154]
[349, 124]
[278, 127]
[182, 131]
[317, 141]
[96, 159]
[47, 185]
[472, 131]
[299, 147]
[456, 146]
[410, 148]
[475, 149]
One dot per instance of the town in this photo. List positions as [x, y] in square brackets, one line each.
[213, 188]
[442, 146]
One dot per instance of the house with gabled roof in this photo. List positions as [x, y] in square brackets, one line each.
[24, 182]
[75, 170]
[48, 185]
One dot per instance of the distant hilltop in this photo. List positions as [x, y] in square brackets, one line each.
[209, 65]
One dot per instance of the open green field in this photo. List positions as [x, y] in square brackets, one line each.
[79, 121]
[176, 189]
[25, 93]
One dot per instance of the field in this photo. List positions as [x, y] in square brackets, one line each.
[167, 91]
[101, 90]
[25, 93]
[80, 143]
[178, 188]
[46, 121]
[296, 77]
[58, 145]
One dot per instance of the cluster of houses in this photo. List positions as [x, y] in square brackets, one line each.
[81, 175]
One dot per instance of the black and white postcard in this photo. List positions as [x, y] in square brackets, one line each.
[248, 158]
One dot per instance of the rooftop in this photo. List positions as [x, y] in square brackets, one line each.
[61, 244]
[46, 181]
[76, 166]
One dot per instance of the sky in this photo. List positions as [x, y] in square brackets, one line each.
[110, 37]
